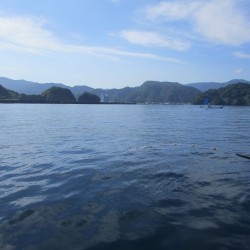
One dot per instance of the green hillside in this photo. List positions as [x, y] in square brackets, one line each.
[58, 95]
[88, 98]
[234, 94]
[153, 92]
[148, 92]
[6, 94]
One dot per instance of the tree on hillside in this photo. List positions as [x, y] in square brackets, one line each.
[31, 98]
[58, 95]
[88, 98]
[7, 94]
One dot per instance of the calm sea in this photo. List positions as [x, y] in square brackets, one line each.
[124, 177]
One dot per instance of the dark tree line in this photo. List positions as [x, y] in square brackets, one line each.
[234, 94]
[51, 95]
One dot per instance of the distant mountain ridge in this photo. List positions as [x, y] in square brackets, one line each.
[34, 88]
[149, 91]
[27, 87]
[204, 86]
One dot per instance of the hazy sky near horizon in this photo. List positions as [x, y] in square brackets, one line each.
[118, 43]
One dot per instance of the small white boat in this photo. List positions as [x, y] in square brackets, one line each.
[209, 106]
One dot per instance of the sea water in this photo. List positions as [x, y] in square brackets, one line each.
[124, 177]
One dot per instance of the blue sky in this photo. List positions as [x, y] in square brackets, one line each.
[118, 43]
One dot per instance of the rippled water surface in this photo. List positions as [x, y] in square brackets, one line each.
[124, 177]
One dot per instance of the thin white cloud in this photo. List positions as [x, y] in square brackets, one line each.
[219, 21]
[242, 55]
[102, 51]
[153, 39]
[28, 35]
[117, 2]
[238, 71]
[172, 10]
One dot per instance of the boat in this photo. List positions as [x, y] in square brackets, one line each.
[207, 105]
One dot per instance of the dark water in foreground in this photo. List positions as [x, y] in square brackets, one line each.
[124, 177]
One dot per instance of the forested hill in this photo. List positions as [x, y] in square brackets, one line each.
[204, 86]
[171, 92]
[235, 94]
[7, 94]
[53, 95]
[150, 91]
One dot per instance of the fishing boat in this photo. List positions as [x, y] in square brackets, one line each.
[207, 105]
